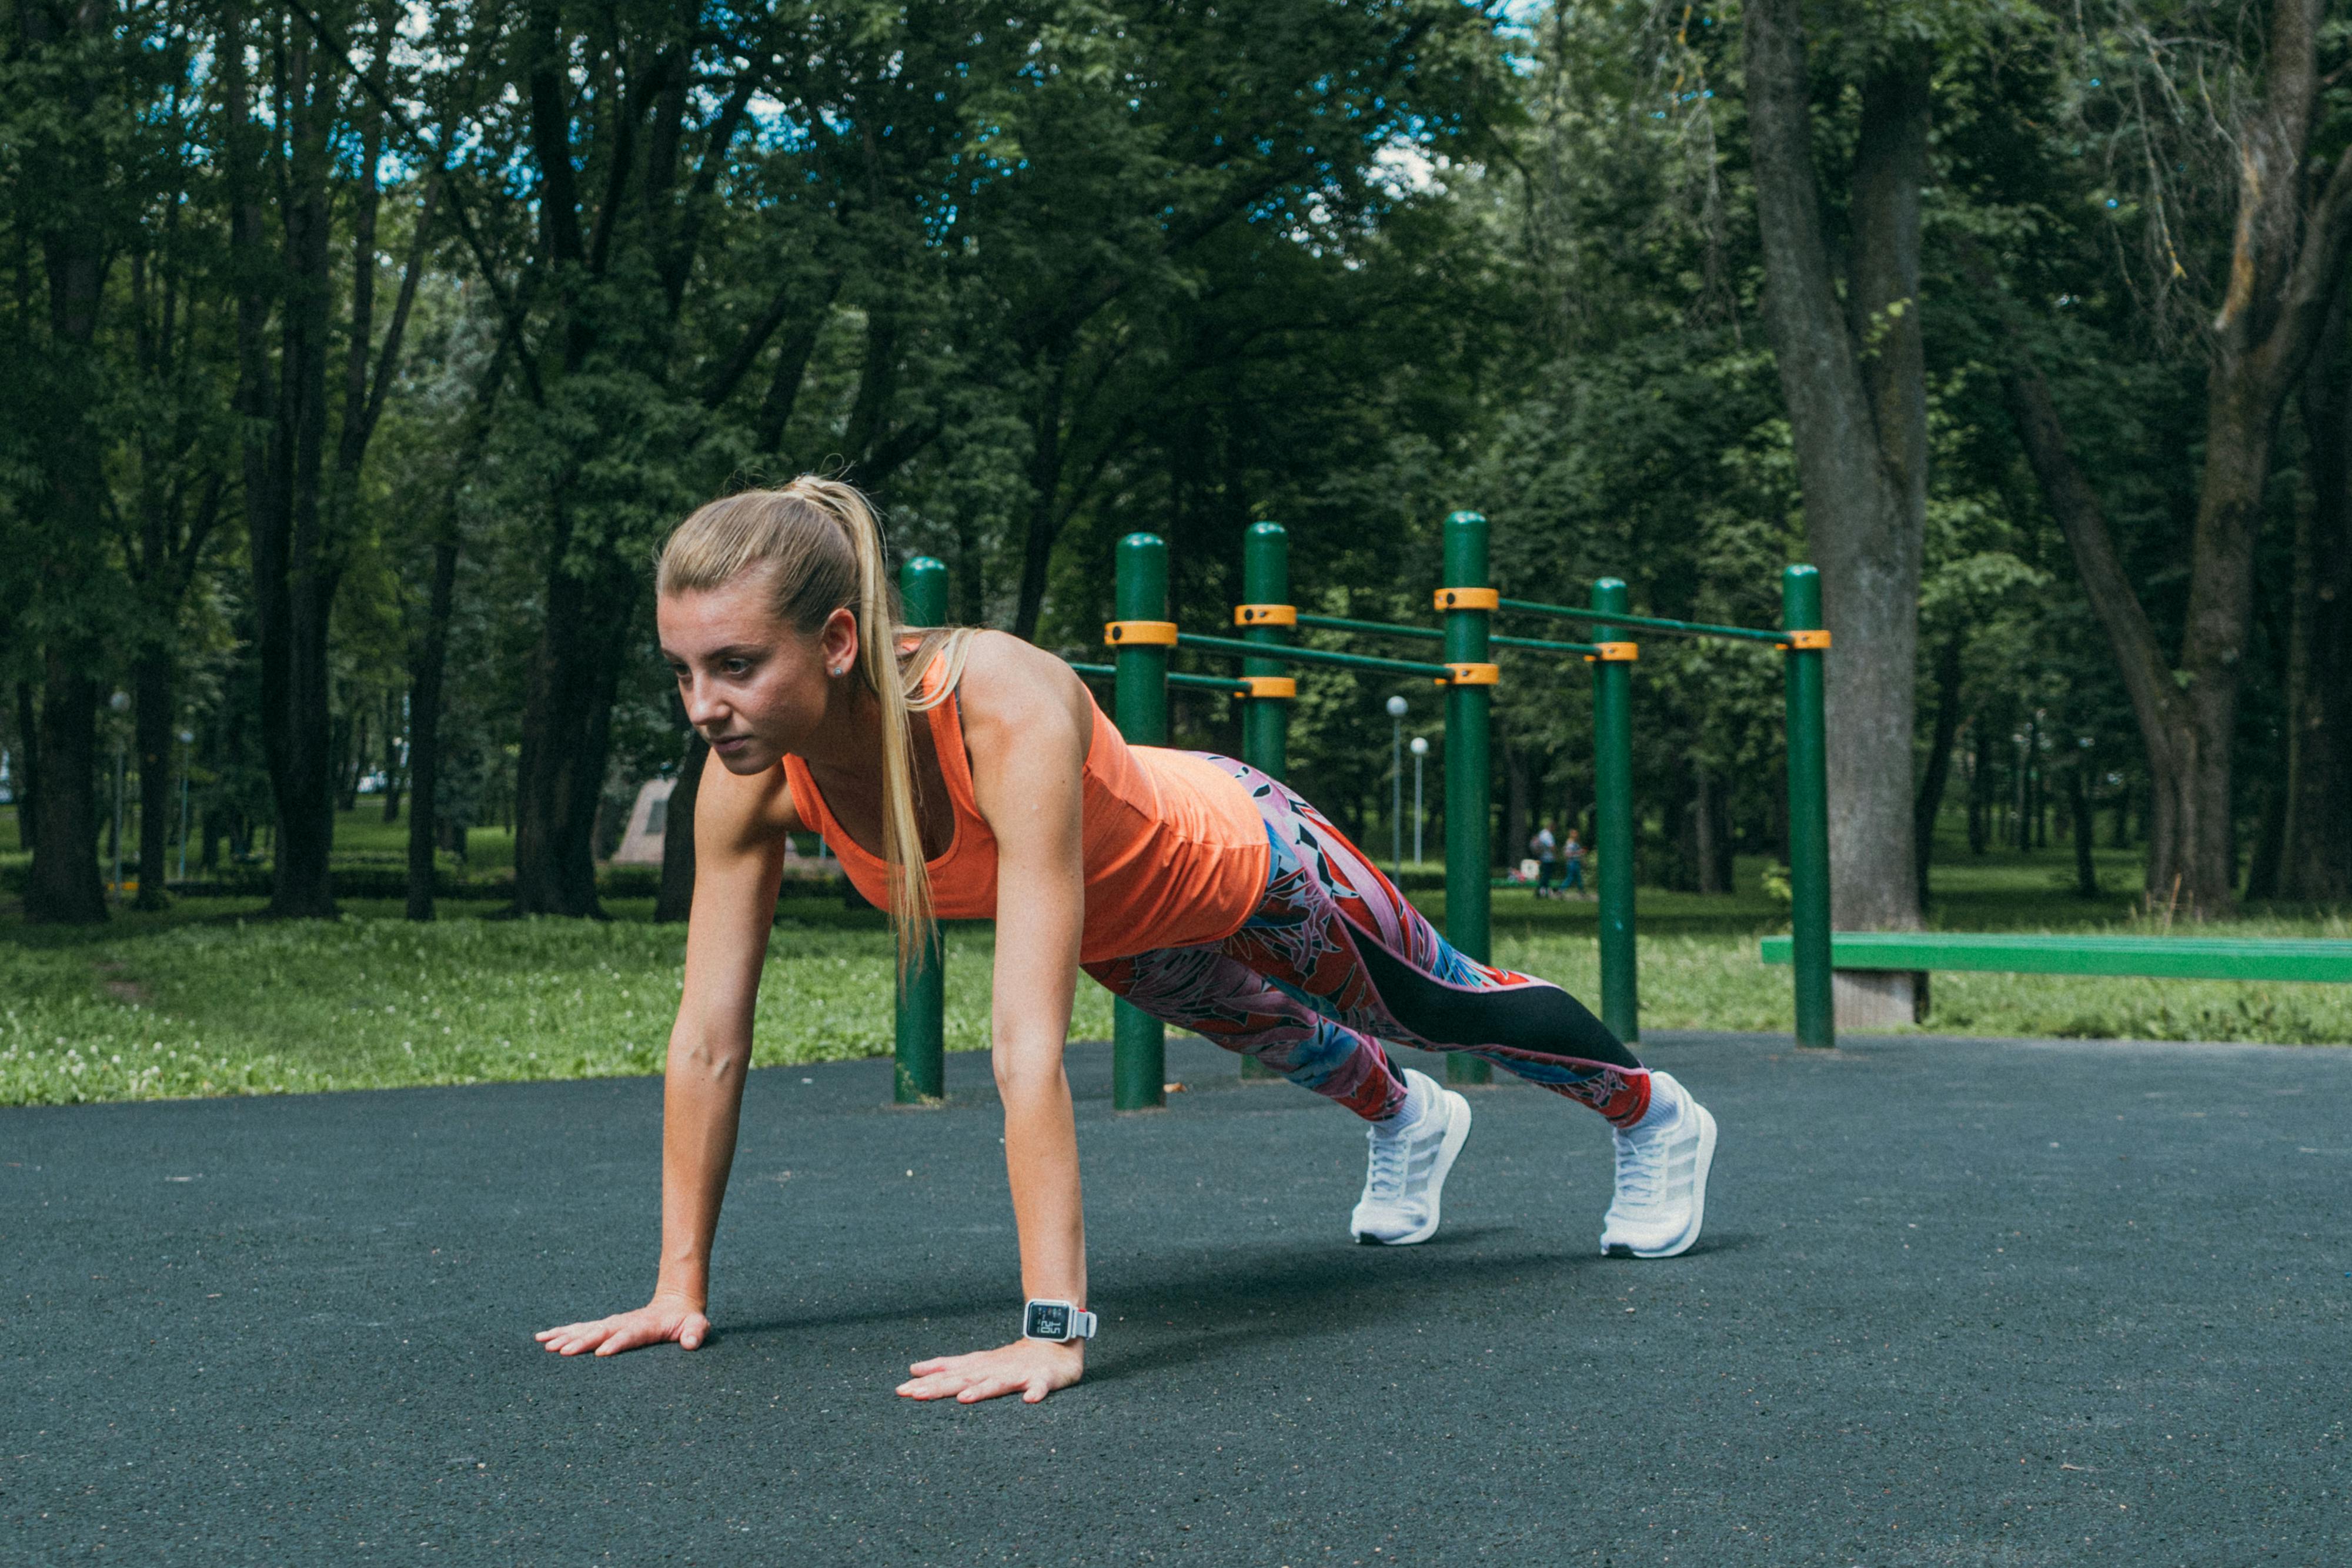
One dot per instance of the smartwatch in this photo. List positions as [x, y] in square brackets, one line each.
[1060, 1321]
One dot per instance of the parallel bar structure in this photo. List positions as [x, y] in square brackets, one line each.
[1543, 645]
[1808, 808]
[1265, 720]
[1266, 580]
[1375, 628]
[1646, 623]
[1221, 684]
[1311, 655]
[919, 1054]
[1803, 642]
[1431, 633]
[1469, 844]
[1138, 1040]
[1613, 766]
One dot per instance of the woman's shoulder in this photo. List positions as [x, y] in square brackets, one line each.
[1010, 687]
[1003, 670]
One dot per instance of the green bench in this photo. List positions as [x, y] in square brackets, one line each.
[1916, 954]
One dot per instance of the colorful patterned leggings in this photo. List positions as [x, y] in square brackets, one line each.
[1333, 960]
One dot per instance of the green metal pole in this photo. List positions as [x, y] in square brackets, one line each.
[1612, 769]
[919, 1071]
[1469, 849]
[1809, 813]
[1139, 1043]
[1266, 580]
[1266, 721]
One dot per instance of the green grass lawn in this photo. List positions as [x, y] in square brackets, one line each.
[207, 998]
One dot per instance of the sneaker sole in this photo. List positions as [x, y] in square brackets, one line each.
[1458, 1132]
[1683, 1243]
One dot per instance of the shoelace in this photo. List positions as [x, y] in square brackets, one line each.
[1641, 1168]
[1392, 1157]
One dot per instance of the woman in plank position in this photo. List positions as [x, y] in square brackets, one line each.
[1193, 885]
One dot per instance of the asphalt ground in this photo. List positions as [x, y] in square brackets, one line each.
[1958, 1301]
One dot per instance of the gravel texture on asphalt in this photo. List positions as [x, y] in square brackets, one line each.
[1958, 1301]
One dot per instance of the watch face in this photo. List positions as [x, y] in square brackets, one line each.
[1048, 1320]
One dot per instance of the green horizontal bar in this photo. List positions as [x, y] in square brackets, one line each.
[2155, 957]
[1306, 655]
[1225, 684]
[1649, 623]
[1378, 628]
[1539, 642]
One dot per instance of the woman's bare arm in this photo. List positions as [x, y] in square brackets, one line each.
[1027, 722]
[739, 828]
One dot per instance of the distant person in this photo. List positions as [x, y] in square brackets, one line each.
[1544, 848]
[1572, 855]
[958, 773]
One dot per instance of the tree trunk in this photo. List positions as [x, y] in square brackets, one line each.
[1940, 745]
[65, 887]
[1979, 793]
[1044, 498]
[566, 734]
[293, 581]
[351, 749]
[29, 768]
[1516, 830]
[2315, 855]
[394, 773]
[1710, 832]
[675, 901]
[2078, 788]
[1856, 400]
[151, 687]
[425, 728]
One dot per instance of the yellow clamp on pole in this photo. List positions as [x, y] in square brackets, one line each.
[1804, 639]
[1468, 599]
[1470, 675]
[1284, 686]
[1265, 615]
[1613, 653]
[1147, 633]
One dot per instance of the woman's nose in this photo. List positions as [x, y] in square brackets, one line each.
[702, 708]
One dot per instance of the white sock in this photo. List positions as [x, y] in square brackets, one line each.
[1420, 1100]
[1665, 1107]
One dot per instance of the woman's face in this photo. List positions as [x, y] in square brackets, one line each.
[753, 686]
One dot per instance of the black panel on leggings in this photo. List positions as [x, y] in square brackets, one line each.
[1539, 1019]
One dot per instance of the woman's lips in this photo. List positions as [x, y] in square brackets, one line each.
[731, 744]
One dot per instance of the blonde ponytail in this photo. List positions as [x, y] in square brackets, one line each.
[819, 541]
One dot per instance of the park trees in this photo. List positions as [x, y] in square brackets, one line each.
[1849, 347]
[2246, 214]
[67, 208]
[327, 94]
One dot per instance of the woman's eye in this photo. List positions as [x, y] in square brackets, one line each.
[735, 666]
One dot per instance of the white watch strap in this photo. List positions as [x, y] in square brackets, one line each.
[1082, 1325]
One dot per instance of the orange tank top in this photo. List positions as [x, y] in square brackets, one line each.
[1176, 853]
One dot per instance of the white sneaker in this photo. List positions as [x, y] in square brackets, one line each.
[1408, 1168]
[1662, 1167]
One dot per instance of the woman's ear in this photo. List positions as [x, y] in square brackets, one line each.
[837, 639]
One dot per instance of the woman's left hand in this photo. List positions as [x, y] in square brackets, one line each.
[1031, 1368]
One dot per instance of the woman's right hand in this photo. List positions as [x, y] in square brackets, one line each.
[658, 1322]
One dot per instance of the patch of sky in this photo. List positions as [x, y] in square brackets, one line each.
[1515, 23]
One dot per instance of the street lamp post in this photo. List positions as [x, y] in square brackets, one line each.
[1419, 751]
[187, 759]
[119, 702]
[1396, 785]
